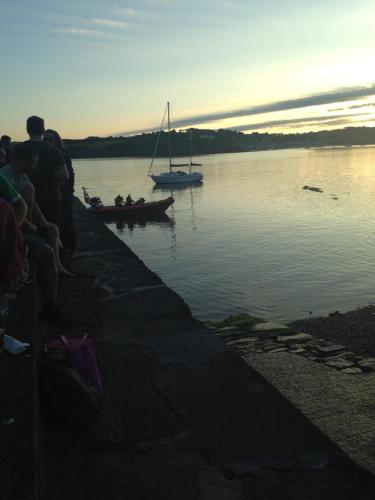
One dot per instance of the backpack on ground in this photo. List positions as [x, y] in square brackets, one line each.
[66, 397]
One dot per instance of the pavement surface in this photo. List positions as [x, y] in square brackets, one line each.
[19, 406]
[185, 417]
[334, 387]
[340, 404]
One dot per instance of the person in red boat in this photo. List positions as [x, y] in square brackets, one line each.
[119, 201]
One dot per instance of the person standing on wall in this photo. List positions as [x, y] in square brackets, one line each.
[67, 229]
[50, 172]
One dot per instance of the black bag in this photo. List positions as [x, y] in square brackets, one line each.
[66, 397]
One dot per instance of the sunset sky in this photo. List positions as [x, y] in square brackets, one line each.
[93, 67]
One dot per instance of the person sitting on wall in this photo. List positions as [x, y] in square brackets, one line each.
[44, 258]
[129, 201]
[5, 143]
[15, 200]
[13, 259]
[119, 201]
[23, 162]
[3, 156]
[140, 201]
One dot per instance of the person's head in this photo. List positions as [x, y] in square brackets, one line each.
[5, 140]
[35, 126]
[54, 138]
[3, 156]
[24, 159]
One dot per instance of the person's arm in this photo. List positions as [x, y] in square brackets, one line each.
[9, 194]
[29, 226]
[38, 216]
[20, 210]
[61, 171]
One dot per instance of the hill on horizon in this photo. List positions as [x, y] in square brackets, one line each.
[207, 141]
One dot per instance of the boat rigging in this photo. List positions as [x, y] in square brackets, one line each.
[178, 176]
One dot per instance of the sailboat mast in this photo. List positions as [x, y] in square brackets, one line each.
[169, 139]
[191, 149]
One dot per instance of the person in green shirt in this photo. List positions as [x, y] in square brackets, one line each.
[36, 226]
[10, 195]
[44, 258]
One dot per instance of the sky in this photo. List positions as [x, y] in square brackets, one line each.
[100, 68]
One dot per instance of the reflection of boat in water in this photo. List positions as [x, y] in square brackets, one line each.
[177, 176]
[138, 210]
[181, 193]
[177, 187]
[131, 223]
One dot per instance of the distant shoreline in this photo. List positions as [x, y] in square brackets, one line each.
[316, 148]
[207, 142]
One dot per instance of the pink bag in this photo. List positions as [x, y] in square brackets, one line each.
[81, 354]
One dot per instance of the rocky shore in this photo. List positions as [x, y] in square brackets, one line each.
[355, 329]
[319, 340]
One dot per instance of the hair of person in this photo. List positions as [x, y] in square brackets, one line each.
[23, 151]
[35, 125]
[5, 138]
[57, 141]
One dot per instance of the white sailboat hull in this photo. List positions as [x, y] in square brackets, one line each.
[177, 177]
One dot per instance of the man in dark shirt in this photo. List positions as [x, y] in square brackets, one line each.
[49, 173]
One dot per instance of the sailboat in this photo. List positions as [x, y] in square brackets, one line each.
[175, 176]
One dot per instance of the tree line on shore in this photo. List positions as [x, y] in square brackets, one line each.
[214, 141]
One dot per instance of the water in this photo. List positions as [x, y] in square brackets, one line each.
[250, 239]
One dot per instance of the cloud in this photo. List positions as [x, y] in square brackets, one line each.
[124, 11]
[108, 22]
[356, 106]
[81, 31]
[343, 121]
[300, 122]
[339, 95]
[228, 4]
[329, 97]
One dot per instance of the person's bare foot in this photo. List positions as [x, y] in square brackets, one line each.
[65, 272]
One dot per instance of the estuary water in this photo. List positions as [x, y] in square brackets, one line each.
[250, 239]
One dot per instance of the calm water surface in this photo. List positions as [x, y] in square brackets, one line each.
[250, 239]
